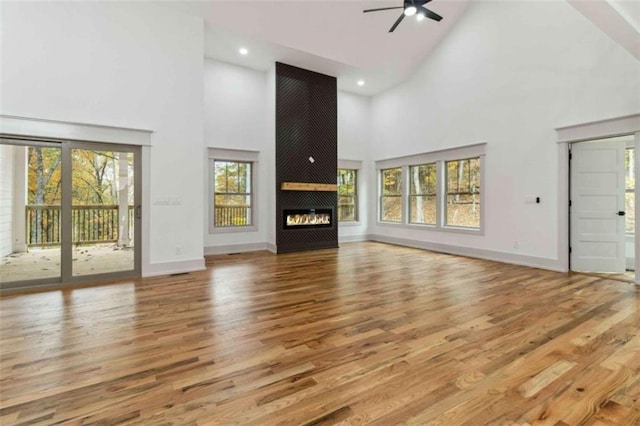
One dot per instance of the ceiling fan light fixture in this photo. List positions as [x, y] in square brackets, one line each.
[410, 11]
[420, 17]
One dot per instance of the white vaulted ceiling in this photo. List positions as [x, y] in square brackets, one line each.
[332, 37]
[335, 37]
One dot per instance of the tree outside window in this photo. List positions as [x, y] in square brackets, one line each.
[463, 193]
[347, 195]
[422, 196]
[232, 194]
[391, 198]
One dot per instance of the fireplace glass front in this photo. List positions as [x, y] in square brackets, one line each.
[307, 218]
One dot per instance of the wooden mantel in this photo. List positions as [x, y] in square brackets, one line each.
[303, 186]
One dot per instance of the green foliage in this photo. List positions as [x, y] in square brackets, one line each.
[44, 175]
[347, 182]
[391, 202]
[94, 176]
[423, 179]
[232, 177]
[392, 181]
[463, 176]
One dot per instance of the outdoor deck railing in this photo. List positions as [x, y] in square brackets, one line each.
[232, 215]
[91, 224]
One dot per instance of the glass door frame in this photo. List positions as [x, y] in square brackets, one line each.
[67, 216]
[65, 275]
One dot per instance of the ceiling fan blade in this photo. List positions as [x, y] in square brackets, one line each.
[421, 2]
[429, 14]
[397, 23]
[382, 8]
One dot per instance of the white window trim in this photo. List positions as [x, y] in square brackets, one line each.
[223, 154]
[53, 129]
[439, 157]
[357, 166]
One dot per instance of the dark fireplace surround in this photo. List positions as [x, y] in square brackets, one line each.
[306, 152]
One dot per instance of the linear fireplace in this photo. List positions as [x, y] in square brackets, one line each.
[307, 218]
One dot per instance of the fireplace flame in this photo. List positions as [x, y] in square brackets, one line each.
[308, 219]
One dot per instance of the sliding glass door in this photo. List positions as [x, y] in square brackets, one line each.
[70, 212]
[103, 211]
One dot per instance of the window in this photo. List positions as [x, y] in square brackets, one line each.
[391, 198]
[630, 192]
[232, 200]
[463, 193]
[347, 195]
[422, 195]
[442, 190]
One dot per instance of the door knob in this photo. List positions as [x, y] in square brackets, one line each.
[621, 213]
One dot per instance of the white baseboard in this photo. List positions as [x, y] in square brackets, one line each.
[353, 238]
[516, 259]
[174, 267]
[234, 248]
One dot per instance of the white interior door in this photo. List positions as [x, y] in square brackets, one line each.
[597, 206]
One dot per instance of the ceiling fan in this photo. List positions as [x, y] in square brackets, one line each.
[411, 7]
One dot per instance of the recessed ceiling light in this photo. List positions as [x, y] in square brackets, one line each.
[360, 82]
[243, 51]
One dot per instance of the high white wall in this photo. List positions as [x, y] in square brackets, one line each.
[235, 117]
[354, 139]
[6, 199]
[239, 113]
[507, 74]
[127, 65]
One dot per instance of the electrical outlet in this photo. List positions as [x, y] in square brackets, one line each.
[178, 250]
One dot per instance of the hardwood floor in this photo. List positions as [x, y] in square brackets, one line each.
[367, 334]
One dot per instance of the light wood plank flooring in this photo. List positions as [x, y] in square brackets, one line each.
[366, 334]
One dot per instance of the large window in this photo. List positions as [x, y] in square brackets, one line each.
[232, 200]
[463, 193]
[442, 190]
[422, 194]
[630, 193]
[347, 195]
[391, 197]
